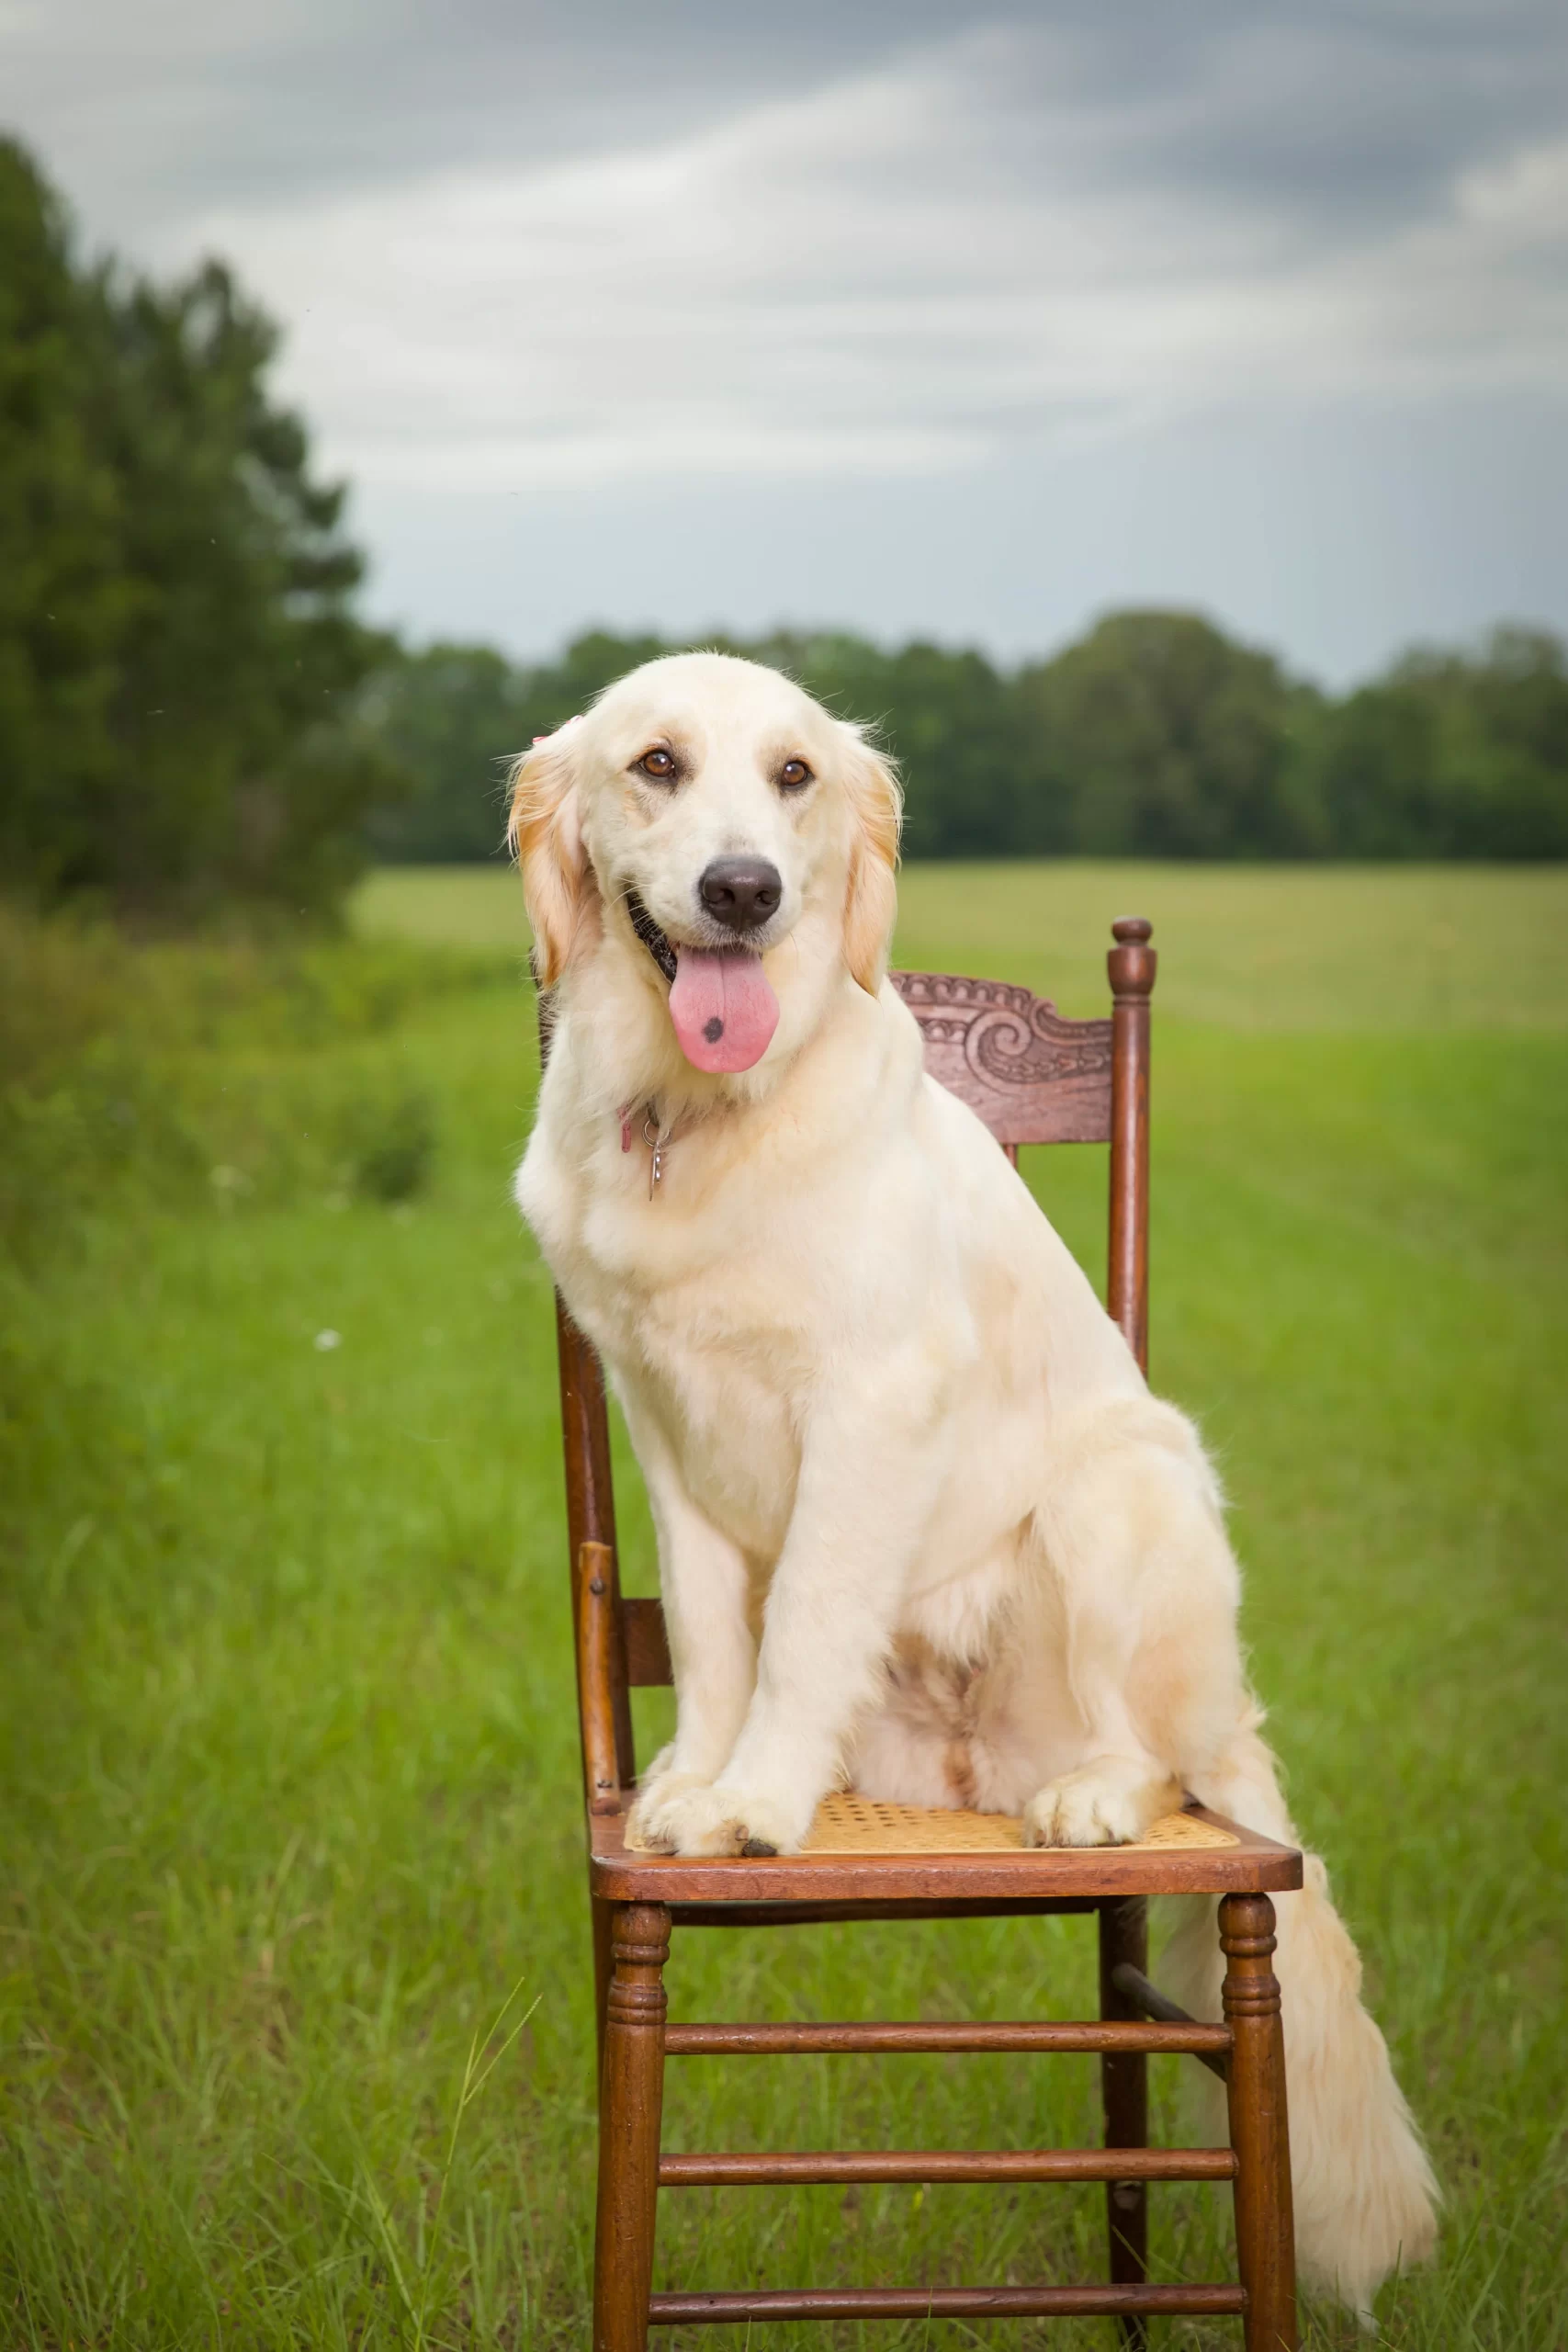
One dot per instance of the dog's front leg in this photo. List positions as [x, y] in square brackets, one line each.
[703, 1580]
[871, 1468]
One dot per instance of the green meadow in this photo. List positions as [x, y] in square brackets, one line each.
[295, 2002]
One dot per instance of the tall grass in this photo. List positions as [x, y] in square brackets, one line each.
[288, 1779]
[153, 1075]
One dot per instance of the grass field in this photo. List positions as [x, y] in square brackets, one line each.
[289, 1788]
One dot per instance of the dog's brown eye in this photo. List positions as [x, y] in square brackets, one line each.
[658, 763]
[793, 775]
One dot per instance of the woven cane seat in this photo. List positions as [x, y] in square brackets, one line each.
[848, 1823]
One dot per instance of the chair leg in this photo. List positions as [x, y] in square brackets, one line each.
[601, 1918]
[631, 2095]
[1264, 2229]
[1124, 2090]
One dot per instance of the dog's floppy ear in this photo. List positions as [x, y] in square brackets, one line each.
[871, 906]
[545, 838]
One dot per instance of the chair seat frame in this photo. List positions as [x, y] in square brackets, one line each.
[1032, 1077]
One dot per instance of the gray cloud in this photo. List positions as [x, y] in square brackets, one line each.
[545, 261]
[1339, 111]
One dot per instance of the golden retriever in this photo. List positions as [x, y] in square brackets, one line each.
[921, 1526]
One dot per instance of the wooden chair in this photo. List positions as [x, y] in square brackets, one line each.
[1033, 1078]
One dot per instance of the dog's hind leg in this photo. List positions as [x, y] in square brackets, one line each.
[1130, 1534]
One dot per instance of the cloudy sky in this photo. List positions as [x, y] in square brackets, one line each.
[963, 320]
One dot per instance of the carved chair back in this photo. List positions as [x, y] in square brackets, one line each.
[1033, 1078]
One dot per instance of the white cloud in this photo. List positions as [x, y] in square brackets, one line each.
[900, 274]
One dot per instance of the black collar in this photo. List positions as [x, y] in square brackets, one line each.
[652, 938]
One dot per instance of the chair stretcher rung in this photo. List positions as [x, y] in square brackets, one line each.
[729, 2171]
[946, 2302]
[771, 2040]
[1134, 1986]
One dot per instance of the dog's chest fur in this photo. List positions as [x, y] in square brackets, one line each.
[702, 1331]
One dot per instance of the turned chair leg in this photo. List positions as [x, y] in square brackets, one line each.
[1265, 2230]
[631, 2095]
[1124, 2091]
[600, 1911]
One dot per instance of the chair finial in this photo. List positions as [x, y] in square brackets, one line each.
[1131, 962]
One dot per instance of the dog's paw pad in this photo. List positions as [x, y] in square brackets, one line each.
[757, 1847]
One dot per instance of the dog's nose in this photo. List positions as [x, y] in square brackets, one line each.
[740, 892]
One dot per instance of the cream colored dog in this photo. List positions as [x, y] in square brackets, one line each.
[921, 1526]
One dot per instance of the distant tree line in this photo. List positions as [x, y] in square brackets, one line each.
[193, 715]
[1155, 735]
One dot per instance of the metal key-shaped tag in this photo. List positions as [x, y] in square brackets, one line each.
[655, 1142]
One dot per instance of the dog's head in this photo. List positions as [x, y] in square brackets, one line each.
[712, 822]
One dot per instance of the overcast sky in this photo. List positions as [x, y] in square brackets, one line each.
[962, 320]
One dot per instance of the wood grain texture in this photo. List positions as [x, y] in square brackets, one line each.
[775, 2169]
[646, 1645]
[630, 2108]
[591, 1501]
[1131, 967]
[1264, 2233]
[921, 2303]
[1032, 1076]
[600, 1914]
[596, 1639]
[1045, 2035]
[1131, 964]
[1124, 2097]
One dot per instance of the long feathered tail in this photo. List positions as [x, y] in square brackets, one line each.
[1365, 2196]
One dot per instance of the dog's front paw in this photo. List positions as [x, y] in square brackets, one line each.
[716, 1820]
[1104, 1805]
[649, 1824]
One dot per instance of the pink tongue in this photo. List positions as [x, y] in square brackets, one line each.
[723, 1007]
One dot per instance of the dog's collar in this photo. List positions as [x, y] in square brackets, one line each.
[652, 938]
